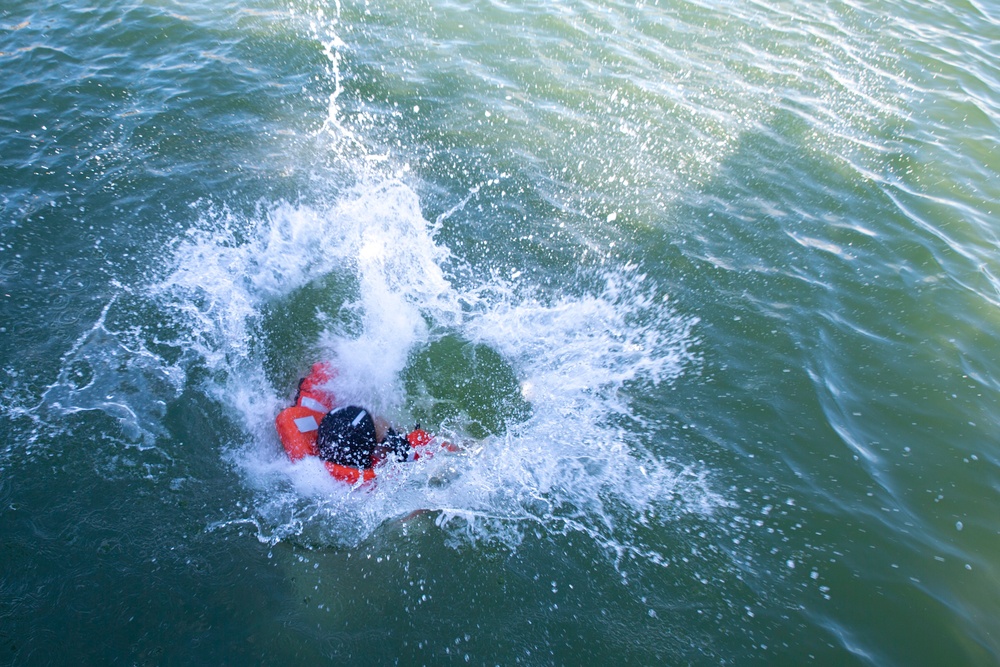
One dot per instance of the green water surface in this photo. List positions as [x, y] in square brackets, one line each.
[800, 197]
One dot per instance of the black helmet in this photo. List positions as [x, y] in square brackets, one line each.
[347, 436]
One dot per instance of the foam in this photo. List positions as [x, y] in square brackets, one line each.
[92, 377]
[571, 466]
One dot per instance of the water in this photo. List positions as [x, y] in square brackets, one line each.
[707, 291]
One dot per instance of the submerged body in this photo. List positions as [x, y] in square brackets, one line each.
[350, 441]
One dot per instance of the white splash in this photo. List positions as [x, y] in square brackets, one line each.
[571, 466]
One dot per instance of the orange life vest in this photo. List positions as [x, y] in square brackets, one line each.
[298, 427]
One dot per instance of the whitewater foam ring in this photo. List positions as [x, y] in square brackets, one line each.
[576, 356]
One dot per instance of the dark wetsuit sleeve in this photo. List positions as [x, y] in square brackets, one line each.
[397, 445]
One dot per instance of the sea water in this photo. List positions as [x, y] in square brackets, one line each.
[706, 293]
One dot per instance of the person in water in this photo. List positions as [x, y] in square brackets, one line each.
[352, 436]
